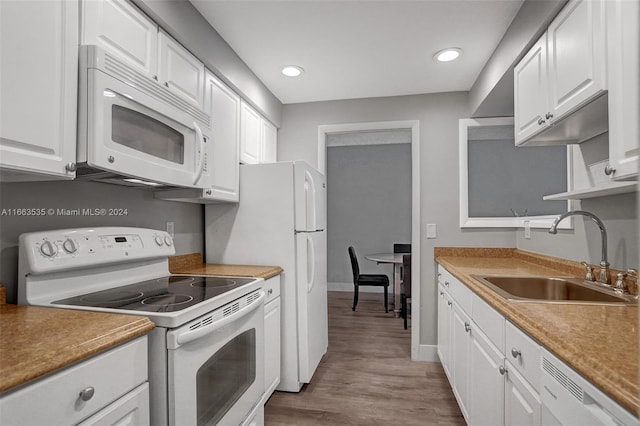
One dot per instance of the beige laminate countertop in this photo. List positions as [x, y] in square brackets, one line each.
[35, 341]
[598, 341]
[192, 264]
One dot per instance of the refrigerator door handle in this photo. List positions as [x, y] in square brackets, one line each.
[311, 264]
[308, 232]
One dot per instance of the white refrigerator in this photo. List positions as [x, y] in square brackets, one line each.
[281, 221]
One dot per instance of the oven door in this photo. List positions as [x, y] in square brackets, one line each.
[132, 133]
[216, 364]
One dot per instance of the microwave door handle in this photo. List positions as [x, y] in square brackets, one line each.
[200, 167]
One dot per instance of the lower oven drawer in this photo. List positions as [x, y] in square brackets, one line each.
[56, 400]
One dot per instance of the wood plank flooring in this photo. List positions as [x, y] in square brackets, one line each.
[367, 376]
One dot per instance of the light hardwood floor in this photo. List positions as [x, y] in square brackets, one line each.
[367, 376]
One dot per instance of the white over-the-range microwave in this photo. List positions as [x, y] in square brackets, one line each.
[132, 131]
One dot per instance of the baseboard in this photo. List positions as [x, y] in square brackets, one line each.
[348, 287]
[428, 353]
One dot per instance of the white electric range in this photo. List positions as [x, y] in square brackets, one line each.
[206, 358]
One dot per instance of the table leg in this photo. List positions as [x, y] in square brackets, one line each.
[396, 289]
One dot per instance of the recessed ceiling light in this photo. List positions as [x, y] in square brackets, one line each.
[447, 55]
[292, 70]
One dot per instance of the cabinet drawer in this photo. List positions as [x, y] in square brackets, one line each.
[524, 353]
[272, 288]
[489, 320]
[458, 291]
[55, 399]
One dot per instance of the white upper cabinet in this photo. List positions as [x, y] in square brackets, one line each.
[38, 82]
[577, 56]
[180, 71]
[123, 30]
[623, 22]
[270, 142]
[530, 94]
[258, 137]
[564, 71]
[224, 107]
[120, 28]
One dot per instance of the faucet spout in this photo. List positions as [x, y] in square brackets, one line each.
[604, 263]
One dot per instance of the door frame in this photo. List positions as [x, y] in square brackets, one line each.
[414, 125]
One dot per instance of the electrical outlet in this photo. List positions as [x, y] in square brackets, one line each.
[170, 229]
[527, 229]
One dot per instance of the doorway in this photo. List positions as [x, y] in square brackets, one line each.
[411, 127]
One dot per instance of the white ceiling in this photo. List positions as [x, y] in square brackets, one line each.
[360, 48]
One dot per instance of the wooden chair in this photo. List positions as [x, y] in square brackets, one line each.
[405, 295]
[376, 280]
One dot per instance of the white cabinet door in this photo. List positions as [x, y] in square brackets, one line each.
[531, 92]
[272, 346]
[130, 410]
[444, 329]
[486, 388]
[180, 71]
[270, 142]
[223, 105]
[38, 82]
[623, 35]
[577, 60]
[521, 401]
[120, 28]
[460, 347]
[250, 135]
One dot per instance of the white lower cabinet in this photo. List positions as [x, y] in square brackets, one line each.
[272, 339]
[490, 386]
[108, 389]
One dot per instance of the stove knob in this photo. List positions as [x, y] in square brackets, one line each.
[70, 246]
[167, 241]
[48, 249]
[158, 240]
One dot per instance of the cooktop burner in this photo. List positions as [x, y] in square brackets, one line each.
[166, 294]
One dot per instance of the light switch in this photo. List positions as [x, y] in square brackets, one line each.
[431, 230]
[527, 229]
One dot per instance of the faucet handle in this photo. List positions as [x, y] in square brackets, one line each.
[621, 285]
[588, 272]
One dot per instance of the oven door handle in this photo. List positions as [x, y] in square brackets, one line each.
[189, 336]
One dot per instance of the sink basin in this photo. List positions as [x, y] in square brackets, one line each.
[550, 289]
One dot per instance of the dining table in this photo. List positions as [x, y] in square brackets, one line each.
[396, 260]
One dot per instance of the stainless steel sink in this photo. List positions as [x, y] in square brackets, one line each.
[551, 289]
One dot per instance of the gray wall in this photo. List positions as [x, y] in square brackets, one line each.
[183, 21]
[142, 211]
[368, 206]
[620, 216]
[438, 115]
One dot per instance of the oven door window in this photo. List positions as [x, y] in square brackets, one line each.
[225, 377]
[146, 134]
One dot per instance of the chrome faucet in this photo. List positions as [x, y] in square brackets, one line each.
[603, 276]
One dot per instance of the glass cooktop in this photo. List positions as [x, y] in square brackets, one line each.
[166, 294]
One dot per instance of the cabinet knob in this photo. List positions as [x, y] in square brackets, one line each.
[515, 353]
[446, 283]
[155, 77]
[270, 291]
[166, 84]
[208, 192]
[442, 293]
[467, 327]
[87, 393]
[70, 167]
[449, 303]
[541, 121]
[548, 115]
[502, 370]
[608, 170]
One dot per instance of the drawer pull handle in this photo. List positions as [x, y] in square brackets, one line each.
[87, 393]
[515, 353]
[442, 293]
[502, 370]
[446, 283]
[449, 303]
[467, 327]
[270, 291]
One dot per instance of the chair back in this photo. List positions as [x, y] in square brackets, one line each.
[406, 282]
[354, 264]
[402, 248]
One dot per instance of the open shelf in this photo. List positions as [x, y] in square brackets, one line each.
[601, 190]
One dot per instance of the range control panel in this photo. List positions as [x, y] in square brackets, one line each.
[52, 251]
